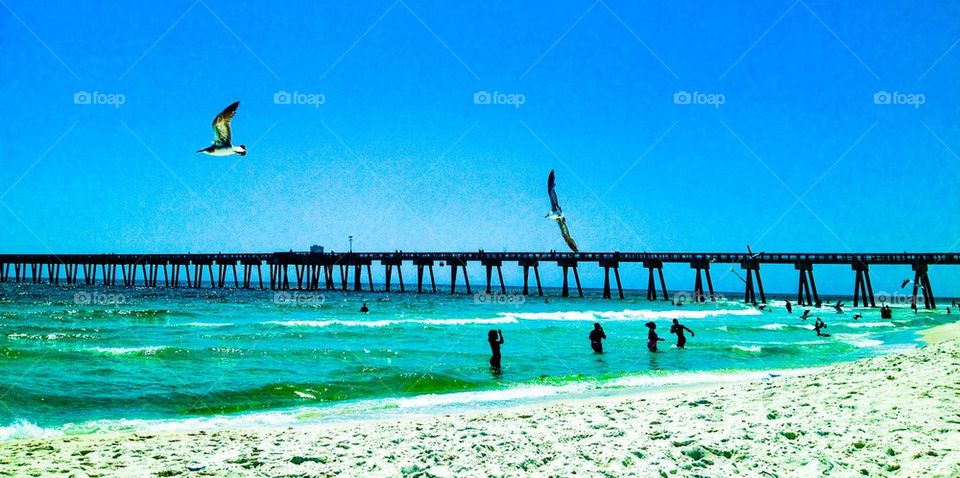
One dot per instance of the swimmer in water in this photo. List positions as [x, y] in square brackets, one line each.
[652, 337]
[678, 329]
[789, 307]
[364, 309]
[596, 335]
[495, 337]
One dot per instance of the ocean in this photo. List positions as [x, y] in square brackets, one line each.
[81, 360]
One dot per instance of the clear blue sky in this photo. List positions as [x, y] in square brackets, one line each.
[401, 157]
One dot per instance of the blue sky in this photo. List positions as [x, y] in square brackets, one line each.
[798, 157]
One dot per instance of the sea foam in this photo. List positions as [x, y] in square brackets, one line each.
[627, 315]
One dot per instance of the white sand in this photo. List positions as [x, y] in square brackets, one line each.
[896, 415]
[942, 333]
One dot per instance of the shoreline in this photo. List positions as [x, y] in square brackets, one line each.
[895, 414]
[940, 333]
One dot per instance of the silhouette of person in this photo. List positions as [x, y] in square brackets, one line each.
[364, 309]
[886, 312]
[678, 329]
[652, 337]
[495, 337]
[789, 307]
[596, 335]
[818, 326]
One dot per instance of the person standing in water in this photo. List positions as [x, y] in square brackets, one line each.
[596, 335]
[678, 329]
[364, 309]
[652, 337]
[495, 337]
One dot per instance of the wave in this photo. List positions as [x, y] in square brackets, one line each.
[627, 315]
[205, 324]
[857, 325]
[151, 350]
[389, 322]
[22, 429]
[748, 348]
[858, 340]
[50, 336]
[693, 378]
[369, 408]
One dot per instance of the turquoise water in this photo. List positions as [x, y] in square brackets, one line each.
[83, 360]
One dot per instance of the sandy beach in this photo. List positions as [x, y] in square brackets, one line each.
[896, 415]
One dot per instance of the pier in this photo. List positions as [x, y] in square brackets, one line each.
[320, 271]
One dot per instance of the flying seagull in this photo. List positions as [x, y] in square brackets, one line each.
[557, 214]
[907, 281]
[221, 145]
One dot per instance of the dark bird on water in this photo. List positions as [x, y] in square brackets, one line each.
[557, 214]
[222, 145]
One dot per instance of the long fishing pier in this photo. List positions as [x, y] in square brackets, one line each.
[310, 267]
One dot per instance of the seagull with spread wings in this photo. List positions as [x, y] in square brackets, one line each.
[222, 145]
[557, 214]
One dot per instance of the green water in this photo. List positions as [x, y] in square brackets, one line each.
[83, 360]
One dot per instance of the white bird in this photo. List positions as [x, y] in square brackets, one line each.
[557, 214]
[222, 145]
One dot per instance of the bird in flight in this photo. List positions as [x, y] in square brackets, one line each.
[557, 214]
[221, 145]
[907, 281]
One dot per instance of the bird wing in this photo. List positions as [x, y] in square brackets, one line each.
[566, 234]
[904, 283]
[221, 125]
[551, 190]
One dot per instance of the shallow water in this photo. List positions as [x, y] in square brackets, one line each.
[82, 360]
